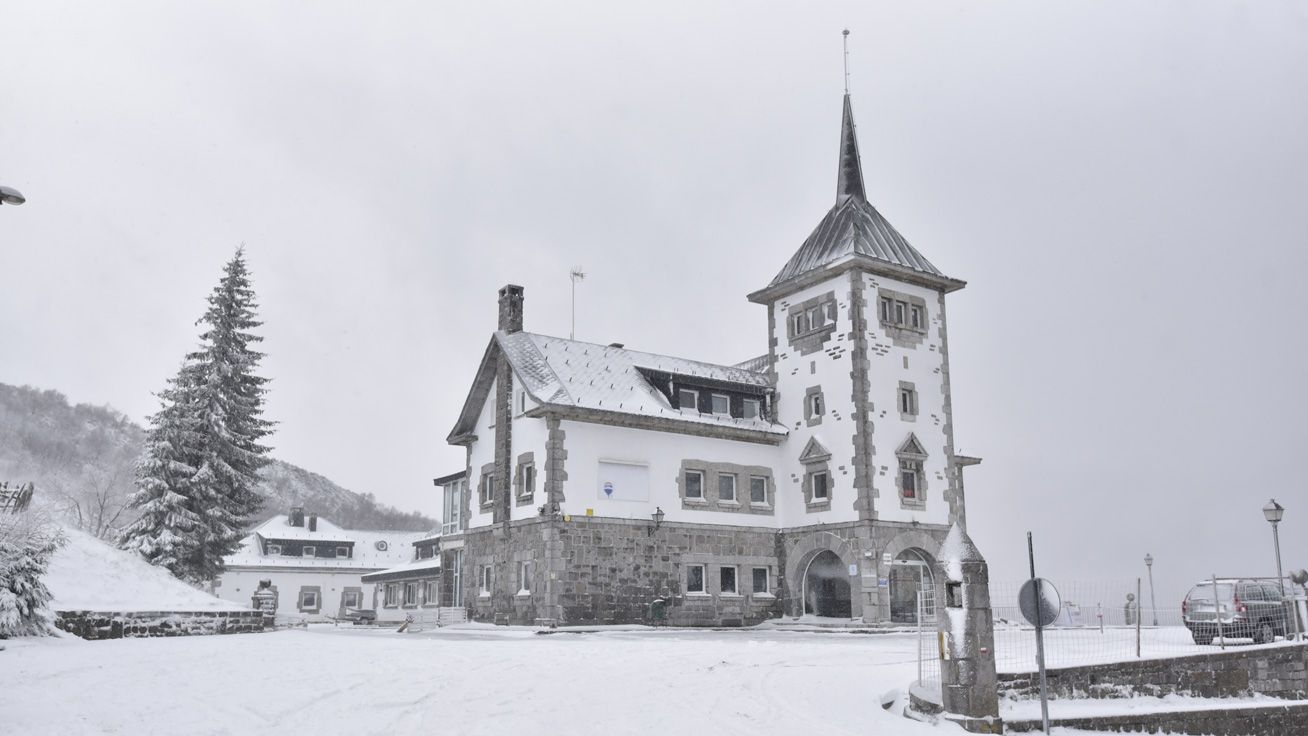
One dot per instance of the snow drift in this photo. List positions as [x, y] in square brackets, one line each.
[87, 574]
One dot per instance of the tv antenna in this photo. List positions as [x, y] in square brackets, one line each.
[576, 275]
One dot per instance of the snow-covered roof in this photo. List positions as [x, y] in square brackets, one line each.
[569, 374]
[414, 568]
[373, 549]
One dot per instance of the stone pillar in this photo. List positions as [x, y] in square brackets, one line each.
[968, 685]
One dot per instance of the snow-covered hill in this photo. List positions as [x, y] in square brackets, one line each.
[88, 575]
[81, 458]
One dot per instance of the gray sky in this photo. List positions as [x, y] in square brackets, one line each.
[1122, 184]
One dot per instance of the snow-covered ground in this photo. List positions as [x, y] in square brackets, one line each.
[464, 680]
[88, 575]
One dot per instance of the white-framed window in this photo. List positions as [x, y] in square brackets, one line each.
[916, 318]
[820, 482]
[901, 310]
[688, 399]
[309, 551]
[727, 580]
[457, 578]
[453, 516]
[486, 577]
[887, 309]
[814, 318]
[760, 581]
[308, 599]
[522, 402]
[342, 551]
[524, 577]
[694, 484]
[727, 487]
[350, 599]
[815, 405]
[758, 489]
[488, 488]
[429, 592]
[907, 401]
[392, 597]
[910, 479]
[722, 404]
[695, 579]
[831, 312]
[410, 594]
[752, 409]
[528, 479]
[274, 549]
[801, 323]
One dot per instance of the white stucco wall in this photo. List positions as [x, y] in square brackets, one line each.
[795, 374]
[482, 453]
[588, 444]
[925, 370]
[238, 585]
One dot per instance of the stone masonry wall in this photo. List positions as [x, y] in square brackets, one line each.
[126, 625]
[1280, 672]
[1290, 719]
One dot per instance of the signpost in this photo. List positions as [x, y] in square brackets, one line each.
[1040, 605]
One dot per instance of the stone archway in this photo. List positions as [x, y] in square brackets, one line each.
[913, 567]
[802, 552]
[826, 587]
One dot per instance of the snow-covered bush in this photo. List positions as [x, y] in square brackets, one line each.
[27, 542]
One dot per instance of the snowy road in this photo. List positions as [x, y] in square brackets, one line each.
[470, 681]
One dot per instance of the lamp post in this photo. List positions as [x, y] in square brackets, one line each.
[9, 195]
[1153, 602]
[1273, 512]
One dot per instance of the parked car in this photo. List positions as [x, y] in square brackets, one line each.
[360, 616]
[1248, 609]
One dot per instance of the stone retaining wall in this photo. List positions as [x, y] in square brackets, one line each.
[1280, 672]
[1290, 719]
[130, 624]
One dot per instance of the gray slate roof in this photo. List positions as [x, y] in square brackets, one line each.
[604, 377]
[853, 227]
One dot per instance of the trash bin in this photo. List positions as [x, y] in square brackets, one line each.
[658, 610]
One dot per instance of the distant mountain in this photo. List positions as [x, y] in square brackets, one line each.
[81, 458]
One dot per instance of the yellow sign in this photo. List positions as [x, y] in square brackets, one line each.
[590, 512]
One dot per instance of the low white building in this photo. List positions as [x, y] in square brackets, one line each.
[316, 567]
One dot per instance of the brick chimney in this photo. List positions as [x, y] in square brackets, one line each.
[510, 308]
[296, 517]
[313, 522]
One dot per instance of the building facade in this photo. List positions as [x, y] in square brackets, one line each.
[607, 485]
[316, 567]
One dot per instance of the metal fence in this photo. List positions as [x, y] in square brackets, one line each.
[928, 640]
[1100, 622]
[432, 618]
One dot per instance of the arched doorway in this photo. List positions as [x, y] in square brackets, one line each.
[910, 572]
[826, 587]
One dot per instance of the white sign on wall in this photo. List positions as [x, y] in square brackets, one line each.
[623, 481]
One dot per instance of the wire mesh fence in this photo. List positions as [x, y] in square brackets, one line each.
[1102, 622]
[928, 640]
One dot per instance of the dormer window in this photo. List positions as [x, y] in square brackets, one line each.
[721, 405]
[688, 399]
[753, 409]
[274, 549]
[309, 551]
[342, 552]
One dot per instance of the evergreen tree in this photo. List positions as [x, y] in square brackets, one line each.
[25, 551]
[229, 407]
[170, 530]
[198, 479]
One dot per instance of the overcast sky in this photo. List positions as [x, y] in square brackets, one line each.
[1122, 185]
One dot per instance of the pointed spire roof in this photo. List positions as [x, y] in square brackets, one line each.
[853, 230]
[849, 181]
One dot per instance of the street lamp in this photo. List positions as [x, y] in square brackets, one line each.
[9, 195]
[1274, 511]
[1153, 602]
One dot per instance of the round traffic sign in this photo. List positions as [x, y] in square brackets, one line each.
[1049, 605]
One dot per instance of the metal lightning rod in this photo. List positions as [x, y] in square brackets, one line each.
[845, 42]
[576, 275]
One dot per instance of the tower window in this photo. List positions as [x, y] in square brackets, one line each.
[907, 400]
[820, 489]
[915, 318]
[727, 487]
[910, 472]
[815, 407]
[694, 484]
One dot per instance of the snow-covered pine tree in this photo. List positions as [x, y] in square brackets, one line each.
[229, 398]
[170, 530]
[26, 545]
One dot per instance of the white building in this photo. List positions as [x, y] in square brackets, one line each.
[315, 567]
[611, 485]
